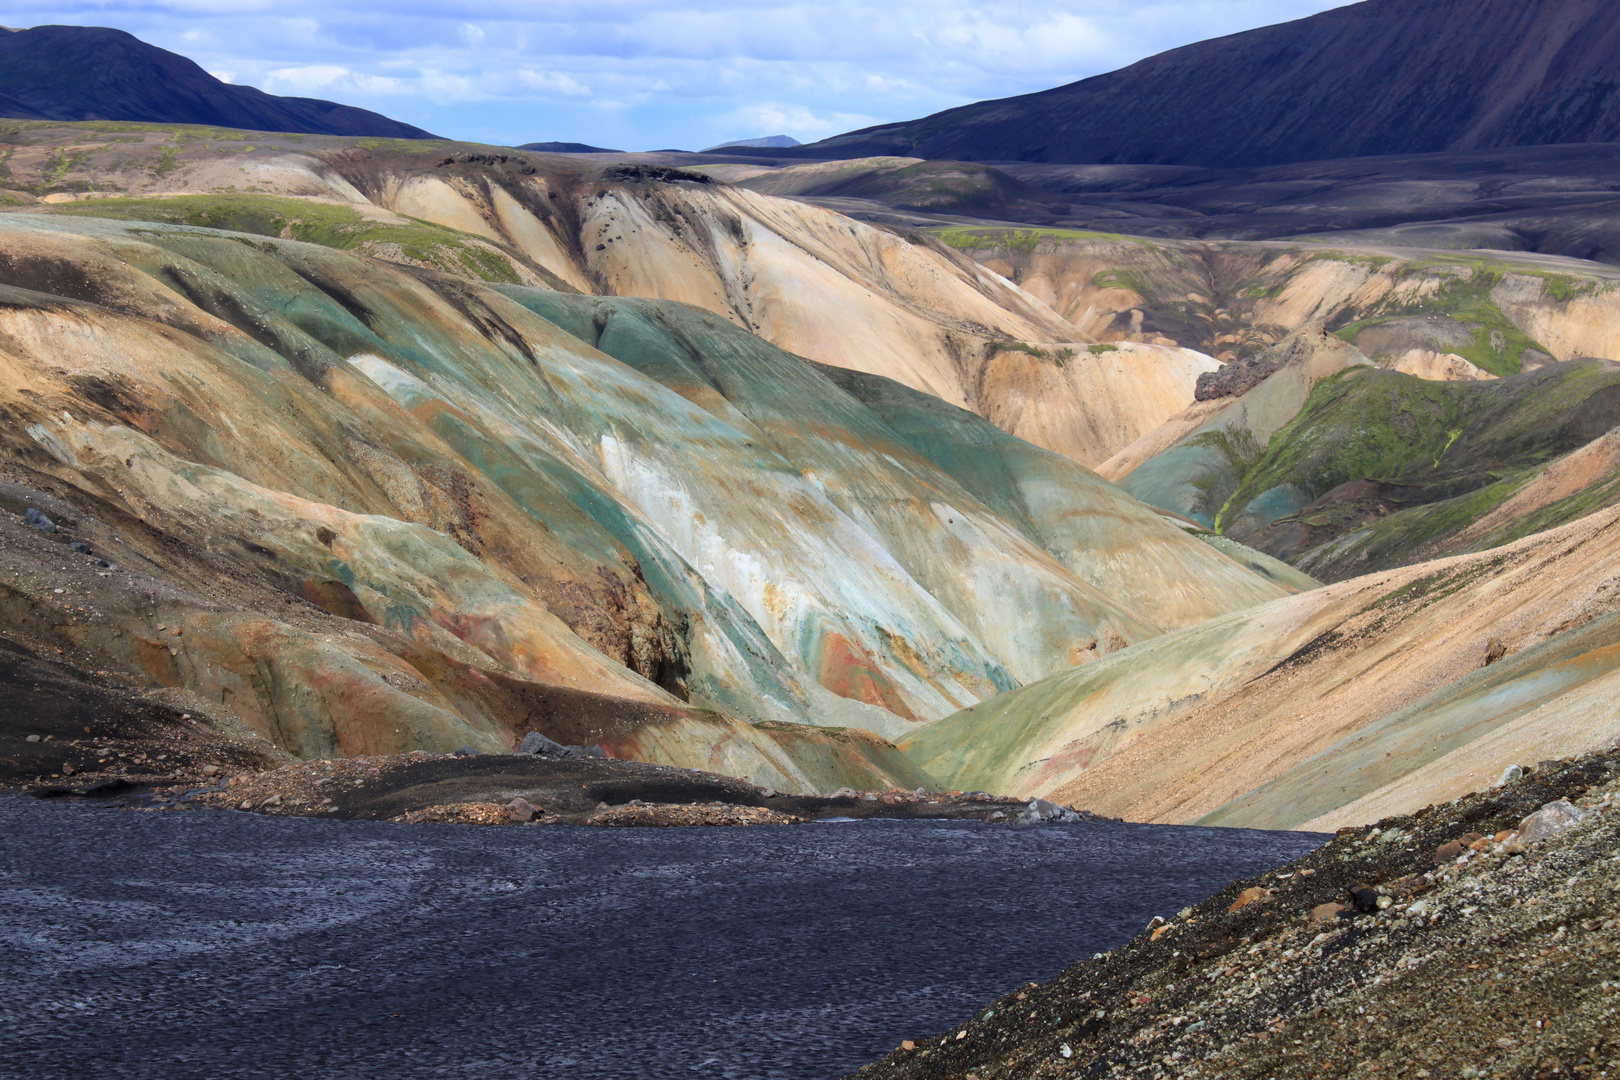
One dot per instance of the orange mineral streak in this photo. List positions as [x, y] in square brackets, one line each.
[851, 672]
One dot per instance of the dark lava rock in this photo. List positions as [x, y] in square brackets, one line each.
[536, 743]
[37, 520]
[1236, 378]
[660, 173]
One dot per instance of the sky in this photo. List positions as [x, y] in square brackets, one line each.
[656, 74]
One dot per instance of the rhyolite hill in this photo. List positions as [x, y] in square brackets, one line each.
[1379, 77]
[98, 73]
[425, 445]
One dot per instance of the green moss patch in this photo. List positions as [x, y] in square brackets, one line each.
[1440, 454]
[1464, 294]
[327, 224]
[1024, 241]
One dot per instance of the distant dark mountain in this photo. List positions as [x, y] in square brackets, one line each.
[16, 110]
[1380, 77]
[95, 73]
[768, 140]
[567, 148]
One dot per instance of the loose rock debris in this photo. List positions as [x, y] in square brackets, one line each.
[1475, 939]
[525, 789]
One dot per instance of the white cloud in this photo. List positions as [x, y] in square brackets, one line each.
[327, 78]
[770, 118]
[552, 82]
[640, 73]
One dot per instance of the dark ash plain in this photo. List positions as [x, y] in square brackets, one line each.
[219, 944]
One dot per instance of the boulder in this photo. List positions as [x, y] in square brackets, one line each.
[34, 519]
[1327, 912]
[536, 743]
[1548, 820]
[1253, 894]
[1363, 897]
[1039, 810]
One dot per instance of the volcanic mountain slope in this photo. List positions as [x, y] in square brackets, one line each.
[1342, 468]
[1364, 470]
[1551, 200]
[1312, 454]
[96, 73]
[1496, 311]
[1373, 696]
[390, 508]
[948, 187]
[909, 308]
[1379, 77]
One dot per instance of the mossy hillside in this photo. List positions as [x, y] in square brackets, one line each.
[1060, 355]
[1024, 241]
[115, 156]
[1425, 532]
[1346, 545]
[1433, 441]
[1464, 294]
[327, 224]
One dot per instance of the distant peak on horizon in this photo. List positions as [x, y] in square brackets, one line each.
[767, 140]
[567, 148]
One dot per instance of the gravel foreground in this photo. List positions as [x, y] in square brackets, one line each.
[1447, 944]
[220, 944]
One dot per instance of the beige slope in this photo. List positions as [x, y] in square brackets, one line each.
[1584, 720]
[1232, 299]
[1569, 475]
[1089, 403]
[912, 312]
[1292, 711]
[1155, 442]
[1440, 367]
[809, 280]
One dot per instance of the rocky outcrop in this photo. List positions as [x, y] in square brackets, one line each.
[1236, 378]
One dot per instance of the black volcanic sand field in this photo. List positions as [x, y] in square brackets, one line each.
[219, 944]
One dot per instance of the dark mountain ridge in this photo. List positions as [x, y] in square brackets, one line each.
[1379, 77]
[97, 73]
